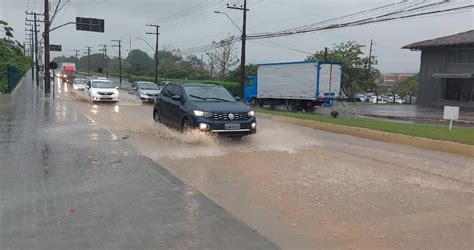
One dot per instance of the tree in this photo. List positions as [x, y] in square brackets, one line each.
[140, 62]
[8, 30]
[234, 75]
[11, 54]
[223, 56]
[358, 75]
[409, 87]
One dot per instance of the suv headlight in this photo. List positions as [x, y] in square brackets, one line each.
[251, 113]
[202, 113]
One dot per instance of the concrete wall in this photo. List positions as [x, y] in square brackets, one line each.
[430, 90]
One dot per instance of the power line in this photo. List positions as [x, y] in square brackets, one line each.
[365, 21]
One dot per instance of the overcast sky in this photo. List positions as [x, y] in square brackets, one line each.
[126, 19]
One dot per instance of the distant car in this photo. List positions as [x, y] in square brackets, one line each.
[381, 100]
[207, 107]
[102, 91]
[146, 91]
[79, 84]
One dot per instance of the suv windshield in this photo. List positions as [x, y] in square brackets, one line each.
[208, 93]
[102, 85]
[147, 86]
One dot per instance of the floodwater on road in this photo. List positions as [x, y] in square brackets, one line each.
[305, 188]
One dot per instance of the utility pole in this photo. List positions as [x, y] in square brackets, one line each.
[35, 49]
[47, 76]
[244, 9]
[119, 46]
[326, 54]
[368, 69]
[77, 55]
[157, 34]
[88, 60]
[32, 46]
[104, 50]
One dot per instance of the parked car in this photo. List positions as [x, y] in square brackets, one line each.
[207, 107]
[381, 100]
[102, 90]
[79, 84]
[146, 91]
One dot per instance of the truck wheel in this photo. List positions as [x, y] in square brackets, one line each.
[253, 102]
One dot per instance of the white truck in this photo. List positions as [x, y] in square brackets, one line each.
[298, 85]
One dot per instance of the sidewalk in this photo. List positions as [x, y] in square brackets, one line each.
[66, 183]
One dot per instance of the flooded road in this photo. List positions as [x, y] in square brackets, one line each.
[305, 188]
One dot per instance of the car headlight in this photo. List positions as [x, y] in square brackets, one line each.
[251, 113]
[202, 113]
[143, 95]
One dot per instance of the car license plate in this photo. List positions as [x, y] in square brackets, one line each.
[232, 126]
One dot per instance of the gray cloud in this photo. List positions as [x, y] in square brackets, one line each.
[125, 19]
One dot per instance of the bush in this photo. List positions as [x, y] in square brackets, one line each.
[232, 87]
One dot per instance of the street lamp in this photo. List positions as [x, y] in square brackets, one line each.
[139, 38]
[223, 13]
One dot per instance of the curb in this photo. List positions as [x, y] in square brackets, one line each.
[443, 146]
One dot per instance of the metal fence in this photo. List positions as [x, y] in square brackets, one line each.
[14, 77]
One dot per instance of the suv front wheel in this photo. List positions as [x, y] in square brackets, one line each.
[186, 127]
[156, 116]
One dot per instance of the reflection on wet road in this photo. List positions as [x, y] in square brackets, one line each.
[302, 187]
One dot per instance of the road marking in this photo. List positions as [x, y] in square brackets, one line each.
[90, 119]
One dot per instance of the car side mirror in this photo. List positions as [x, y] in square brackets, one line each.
[237, 98]
[88, 87]
[177, 98]
[116, 87]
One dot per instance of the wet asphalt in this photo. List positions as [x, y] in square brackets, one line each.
[66, 183]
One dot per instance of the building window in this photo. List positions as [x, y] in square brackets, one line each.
[461, 56]
[459, 90]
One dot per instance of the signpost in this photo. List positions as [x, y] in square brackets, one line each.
[90, 24]
[53, 47]
[451, 113]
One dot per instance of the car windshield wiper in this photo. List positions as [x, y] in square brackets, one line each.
[198, 97]
[217, 99]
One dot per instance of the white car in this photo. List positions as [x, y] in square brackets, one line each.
[79, 84]
[102, 91]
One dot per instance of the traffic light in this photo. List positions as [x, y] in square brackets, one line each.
[90, 24]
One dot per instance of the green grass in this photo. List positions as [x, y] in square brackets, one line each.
[436, 132]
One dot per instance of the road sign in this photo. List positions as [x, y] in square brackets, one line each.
[53, 47]
[90, 24]
[451, 113]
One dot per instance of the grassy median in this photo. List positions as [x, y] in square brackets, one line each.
[436, 132]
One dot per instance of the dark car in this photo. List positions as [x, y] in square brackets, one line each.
[146, 91]
[207, 107]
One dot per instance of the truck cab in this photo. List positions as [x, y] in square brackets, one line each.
[250, 90]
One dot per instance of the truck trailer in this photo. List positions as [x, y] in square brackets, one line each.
[298, 85]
